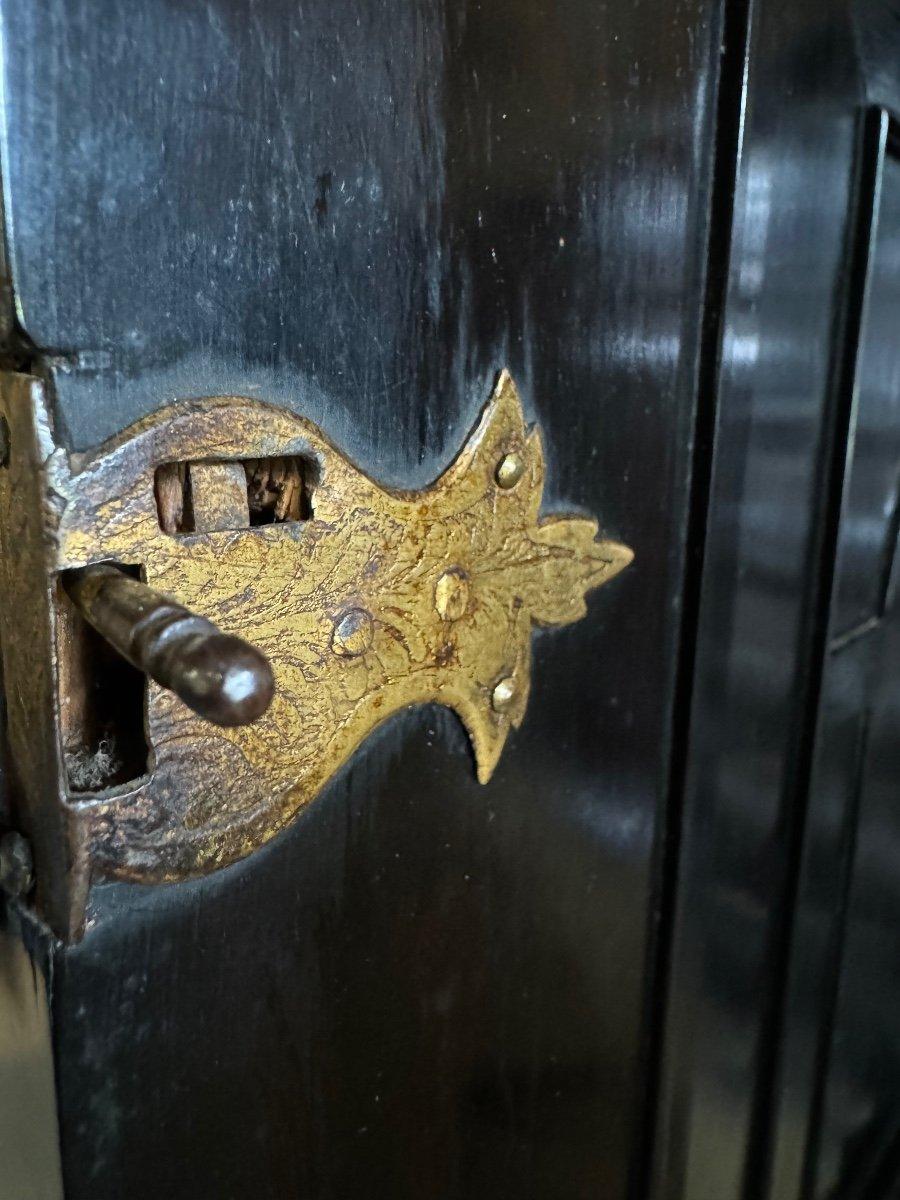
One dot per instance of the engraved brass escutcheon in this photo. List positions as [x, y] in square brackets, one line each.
[376, 600]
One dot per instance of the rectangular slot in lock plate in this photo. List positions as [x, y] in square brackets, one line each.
[102, 703]
[201, 497]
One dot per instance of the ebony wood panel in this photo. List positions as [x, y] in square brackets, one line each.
[779, 1072]
[856, 1120]
[425, 987]
[766, 584]
[839, 1124]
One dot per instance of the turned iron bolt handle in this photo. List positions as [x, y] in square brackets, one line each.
[222, 678]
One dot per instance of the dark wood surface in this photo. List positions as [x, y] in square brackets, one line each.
[838, 1126]
[756, 650]
[778, 1071]
[655, 959]
[425, 987]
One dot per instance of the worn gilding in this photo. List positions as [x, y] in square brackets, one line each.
[381, 599]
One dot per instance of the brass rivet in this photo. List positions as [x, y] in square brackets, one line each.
[503, 694]
[509, 470]
[451, 594]
[352, 634]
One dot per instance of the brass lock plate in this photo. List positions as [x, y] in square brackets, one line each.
[364, 599]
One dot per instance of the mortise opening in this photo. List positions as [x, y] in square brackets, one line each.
[279, 489]
[101, 703]
[195, 497]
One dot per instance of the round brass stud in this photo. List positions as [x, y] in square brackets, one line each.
[352, 634]
[451, 594]
[504, 694]
[509, 470]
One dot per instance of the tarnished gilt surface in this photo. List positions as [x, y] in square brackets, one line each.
[382, 599]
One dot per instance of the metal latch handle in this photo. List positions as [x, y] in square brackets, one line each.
[222, 678]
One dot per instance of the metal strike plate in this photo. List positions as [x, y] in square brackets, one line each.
[364, 599]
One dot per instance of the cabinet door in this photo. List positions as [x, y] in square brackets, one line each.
[423, 986]
[778, 1076]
